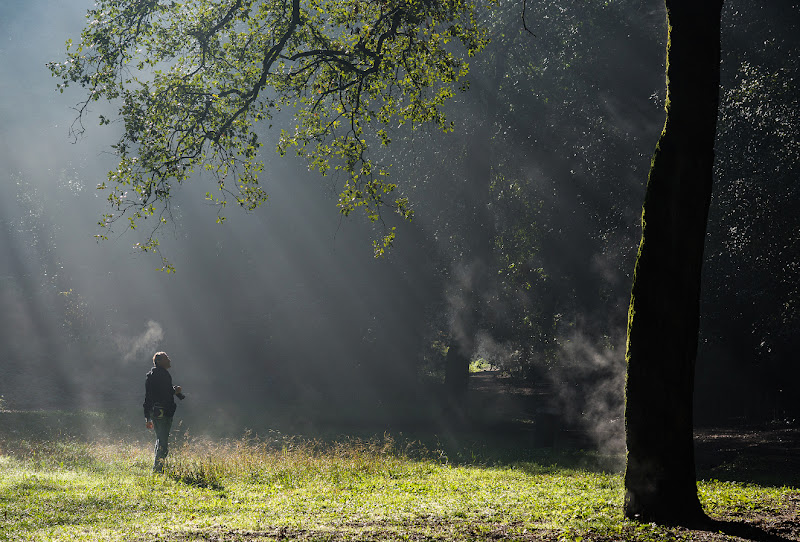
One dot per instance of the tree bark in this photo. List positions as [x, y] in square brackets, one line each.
[663, 318]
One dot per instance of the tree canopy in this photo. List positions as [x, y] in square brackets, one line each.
[193, 79]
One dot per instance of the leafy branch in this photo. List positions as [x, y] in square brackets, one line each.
[193, 78]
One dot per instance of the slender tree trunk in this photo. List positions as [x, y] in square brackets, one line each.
[480, 233]
[456, 370]
[663, 318]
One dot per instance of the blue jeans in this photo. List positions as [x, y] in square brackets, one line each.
[162, 427]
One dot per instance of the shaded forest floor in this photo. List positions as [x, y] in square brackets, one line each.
[764, 455]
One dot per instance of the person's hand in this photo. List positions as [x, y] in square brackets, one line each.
[177, 390]
[149, 424]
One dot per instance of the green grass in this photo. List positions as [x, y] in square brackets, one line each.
[280, 487]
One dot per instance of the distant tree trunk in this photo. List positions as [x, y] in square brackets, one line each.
[479, 242]
[663, 319]
[456, 371]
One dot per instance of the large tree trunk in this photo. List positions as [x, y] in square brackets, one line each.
[663, 318]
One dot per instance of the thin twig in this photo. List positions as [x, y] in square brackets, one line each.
[524, 24]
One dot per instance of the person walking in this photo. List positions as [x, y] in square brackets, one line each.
[159, 405]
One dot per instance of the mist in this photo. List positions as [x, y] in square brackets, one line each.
[284, 312]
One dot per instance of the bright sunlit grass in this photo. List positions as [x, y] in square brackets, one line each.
[268, 488]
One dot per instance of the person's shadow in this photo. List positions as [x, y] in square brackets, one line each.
[741, 530]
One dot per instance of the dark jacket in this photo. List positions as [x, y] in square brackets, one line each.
[158, 394]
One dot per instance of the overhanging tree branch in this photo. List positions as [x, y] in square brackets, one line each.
[190, 104]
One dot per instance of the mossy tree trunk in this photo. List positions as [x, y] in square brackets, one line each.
[663, 319]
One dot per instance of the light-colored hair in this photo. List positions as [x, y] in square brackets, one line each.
[159, 356]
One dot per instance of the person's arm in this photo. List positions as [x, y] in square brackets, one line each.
[148, 403]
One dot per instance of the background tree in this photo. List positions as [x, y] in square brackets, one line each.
[565, 177]
[39, 296]
[751, 275]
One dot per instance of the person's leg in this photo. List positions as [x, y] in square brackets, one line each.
[162, 427]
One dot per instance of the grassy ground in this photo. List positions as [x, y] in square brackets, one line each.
[57, 486]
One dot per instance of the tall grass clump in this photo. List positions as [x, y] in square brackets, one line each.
[288, 461]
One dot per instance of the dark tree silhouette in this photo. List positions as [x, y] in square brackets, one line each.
[663, 320]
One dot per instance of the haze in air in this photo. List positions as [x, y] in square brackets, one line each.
[285, 313]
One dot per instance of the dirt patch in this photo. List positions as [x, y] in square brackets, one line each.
[774, 528]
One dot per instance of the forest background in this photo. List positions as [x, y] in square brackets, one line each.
[287, 313]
